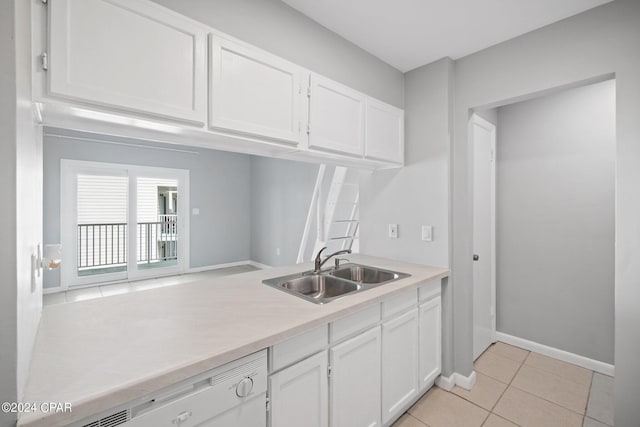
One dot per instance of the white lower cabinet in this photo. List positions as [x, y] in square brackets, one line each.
[299, 394]
[372, 371]
[430, 342]
[400, 366]
[355, 385]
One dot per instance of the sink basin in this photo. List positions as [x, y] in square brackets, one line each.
[320, 286]
[317, 288]
[364, 274]
[328, 285]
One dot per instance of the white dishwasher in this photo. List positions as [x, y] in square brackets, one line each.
[233, 395]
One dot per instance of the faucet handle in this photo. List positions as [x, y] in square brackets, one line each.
[337, 262]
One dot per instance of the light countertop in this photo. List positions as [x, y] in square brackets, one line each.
[102, 353]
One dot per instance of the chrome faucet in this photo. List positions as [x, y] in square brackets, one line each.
[319, 262]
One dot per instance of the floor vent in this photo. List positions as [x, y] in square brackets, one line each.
[112, 420]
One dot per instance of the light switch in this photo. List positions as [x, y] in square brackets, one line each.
[427, 233]
[393, 231]
[195, 211]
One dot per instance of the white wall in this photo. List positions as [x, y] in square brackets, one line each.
[595, 43]
[281, 192]
[282, 30]
[21, 193]
[417, 194]
[555, 220]
[29, 196]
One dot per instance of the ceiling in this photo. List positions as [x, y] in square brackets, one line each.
[411, 33]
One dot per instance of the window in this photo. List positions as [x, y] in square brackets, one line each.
[122, 222]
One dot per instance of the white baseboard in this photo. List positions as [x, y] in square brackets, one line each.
[456, 379]
[565, 356]
[259, 265]
[217, 266]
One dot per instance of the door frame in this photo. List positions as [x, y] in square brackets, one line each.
[68, 215]
[476, 120]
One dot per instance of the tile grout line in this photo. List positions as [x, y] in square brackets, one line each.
[584, 415]
[506, 388]
[490, 411]
[415, 418]
[550, 401]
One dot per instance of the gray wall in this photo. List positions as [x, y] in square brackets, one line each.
[280, 29]
[595, 43]
[555, 220]
[281, 191]
[8, 288]
[21, 195]
[417, 194]
[220, 187]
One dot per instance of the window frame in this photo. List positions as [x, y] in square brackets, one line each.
[69, 170]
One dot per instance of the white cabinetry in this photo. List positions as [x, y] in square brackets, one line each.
[336, 117]
[299, 394]
[384, 135]
[253, 92]
[128, 54]
[430, 341]
[400, 368]
[355, 381]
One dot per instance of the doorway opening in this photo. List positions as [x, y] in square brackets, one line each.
[552, 243]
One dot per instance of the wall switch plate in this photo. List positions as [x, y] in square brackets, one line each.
[427, 233]
[393, 231]
[195, 211]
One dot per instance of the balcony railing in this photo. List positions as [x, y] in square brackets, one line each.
[104, 246]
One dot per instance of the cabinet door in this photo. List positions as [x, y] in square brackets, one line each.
[253, 92]
[129, 54]
[430, 342]
[336, 117]
[400, 371]
[355, 381]
[299, 394]
[384, 135]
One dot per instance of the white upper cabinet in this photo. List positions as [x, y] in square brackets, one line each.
[128, 54]
[336, 117]
[253, 92]
[135, 59]
[384, 135]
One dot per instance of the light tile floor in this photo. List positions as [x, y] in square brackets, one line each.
[515, 387]
[140, 285]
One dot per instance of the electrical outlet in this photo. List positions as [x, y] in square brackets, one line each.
[427, 233]
[393, 231]
[277, 251]
[195, 211]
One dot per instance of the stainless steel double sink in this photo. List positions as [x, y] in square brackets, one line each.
[327, 285]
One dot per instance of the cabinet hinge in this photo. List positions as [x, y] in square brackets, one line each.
[329, 371]
[44, 1]
[268, 404]
[309, 92]
[44, 61]
[308, 129]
